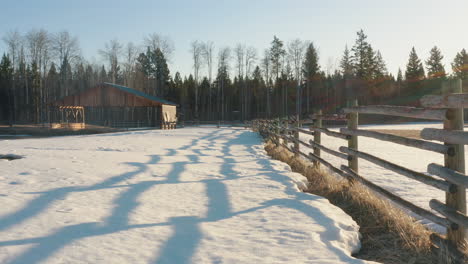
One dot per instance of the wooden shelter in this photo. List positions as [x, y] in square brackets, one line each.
[113, 105]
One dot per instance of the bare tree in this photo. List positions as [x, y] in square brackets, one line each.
[207, 50]
[239, 52]
[38, 45]
[164, 43]
[196, 50]
[111, 52]
[266, 65]
[250, 58]
[296, 50]
[65, 48]
[224, 57]
[14, 42]
[131, 55]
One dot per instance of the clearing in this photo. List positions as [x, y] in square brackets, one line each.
[193, 195]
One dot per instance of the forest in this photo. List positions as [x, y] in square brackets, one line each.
[228, 83]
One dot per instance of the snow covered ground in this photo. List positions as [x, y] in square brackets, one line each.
[412, 158]
[194, 195]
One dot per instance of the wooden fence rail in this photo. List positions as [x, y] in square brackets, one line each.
[453, 179]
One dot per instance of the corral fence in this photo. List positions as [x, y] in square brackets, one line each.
[450, 179]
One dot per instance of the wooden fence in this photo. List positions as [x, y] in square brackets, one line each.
[451, 175]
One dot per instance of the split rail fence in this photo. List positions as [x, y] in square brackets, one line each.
[450, 179]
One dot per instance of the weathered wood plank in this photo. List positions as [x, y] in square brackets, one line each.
[305, 131]
[447, 136]
[457, 100]
[327, 150]
[452, 214]
[329, 132]
[402, 111]
[439, 184]
[448, 174]
[410, 142]
[400, 201]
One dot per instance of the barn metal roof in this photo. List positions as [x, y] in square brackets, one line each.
[140, 93]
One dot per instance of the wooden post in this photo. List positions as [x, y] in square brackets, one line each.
[296, 137]
[353, 141]
[455, 162]
[317, 135]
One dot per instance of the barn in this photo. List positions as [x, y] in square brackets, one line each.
[113, 105]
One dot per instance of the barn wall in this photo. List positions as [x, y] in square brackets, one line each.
[106, 96]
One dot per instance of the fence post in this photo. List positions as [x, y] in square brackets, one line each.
[317, 135]
[296, 137]
[353, 120]
[455, 162]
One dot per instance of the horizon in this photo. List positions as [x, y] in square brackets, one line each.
[257, 26]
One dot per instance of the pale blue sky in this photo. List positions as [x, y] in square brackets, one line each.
[393, 27]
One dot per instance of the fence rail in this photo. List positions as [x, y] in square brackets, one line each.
[453, 179]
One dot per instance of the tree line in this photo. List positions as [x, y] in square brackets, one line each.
[230, 83]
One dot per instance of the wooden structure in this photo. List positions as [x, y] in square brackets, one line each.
[451, 177]
[105, 97]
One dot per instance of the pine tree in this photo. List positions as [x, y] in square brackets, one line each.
[380, 69]
[311, 65]
[460, 65]
[363, 57]
[435, 69]
[277, 51]
[346, 64]
[414, 69]
[6, 91]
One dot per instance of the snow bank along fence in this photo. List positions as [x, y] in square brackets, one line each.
[451, 175]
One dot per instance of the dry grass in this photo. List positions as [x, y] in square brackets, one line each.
[388, 234]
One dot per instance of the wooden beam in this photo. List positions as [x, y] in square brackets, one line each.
[452, 214]
[457, 100]
[327, 150]
[439, 184]
[450, 175]
[329, 132]
[399, 201]
[310, 133]
[415, 143]
[402, 111]
[447, 136]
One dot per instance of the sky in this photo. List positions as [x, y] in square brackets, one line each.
[393, 27]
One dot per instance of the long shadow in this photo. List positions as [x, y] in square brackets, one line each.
[184, 241]
[187, 235]
[45, 199]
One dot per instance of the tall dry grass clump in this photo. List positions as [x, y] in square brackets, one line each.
[389, 235]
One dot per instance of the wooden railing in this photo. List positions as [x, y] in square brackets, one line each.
[451, 175]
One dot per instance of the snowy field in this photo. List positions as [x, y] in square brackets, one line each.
[412, 158]
[194, 195]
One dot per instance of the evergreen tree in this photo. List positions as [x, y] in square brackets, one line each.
[346, 64]
[6, 91]
[460, 65]
[277, 51]
[380, 69]
[311, 65]
[435, 69]
[363, 57]
[414, 69]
